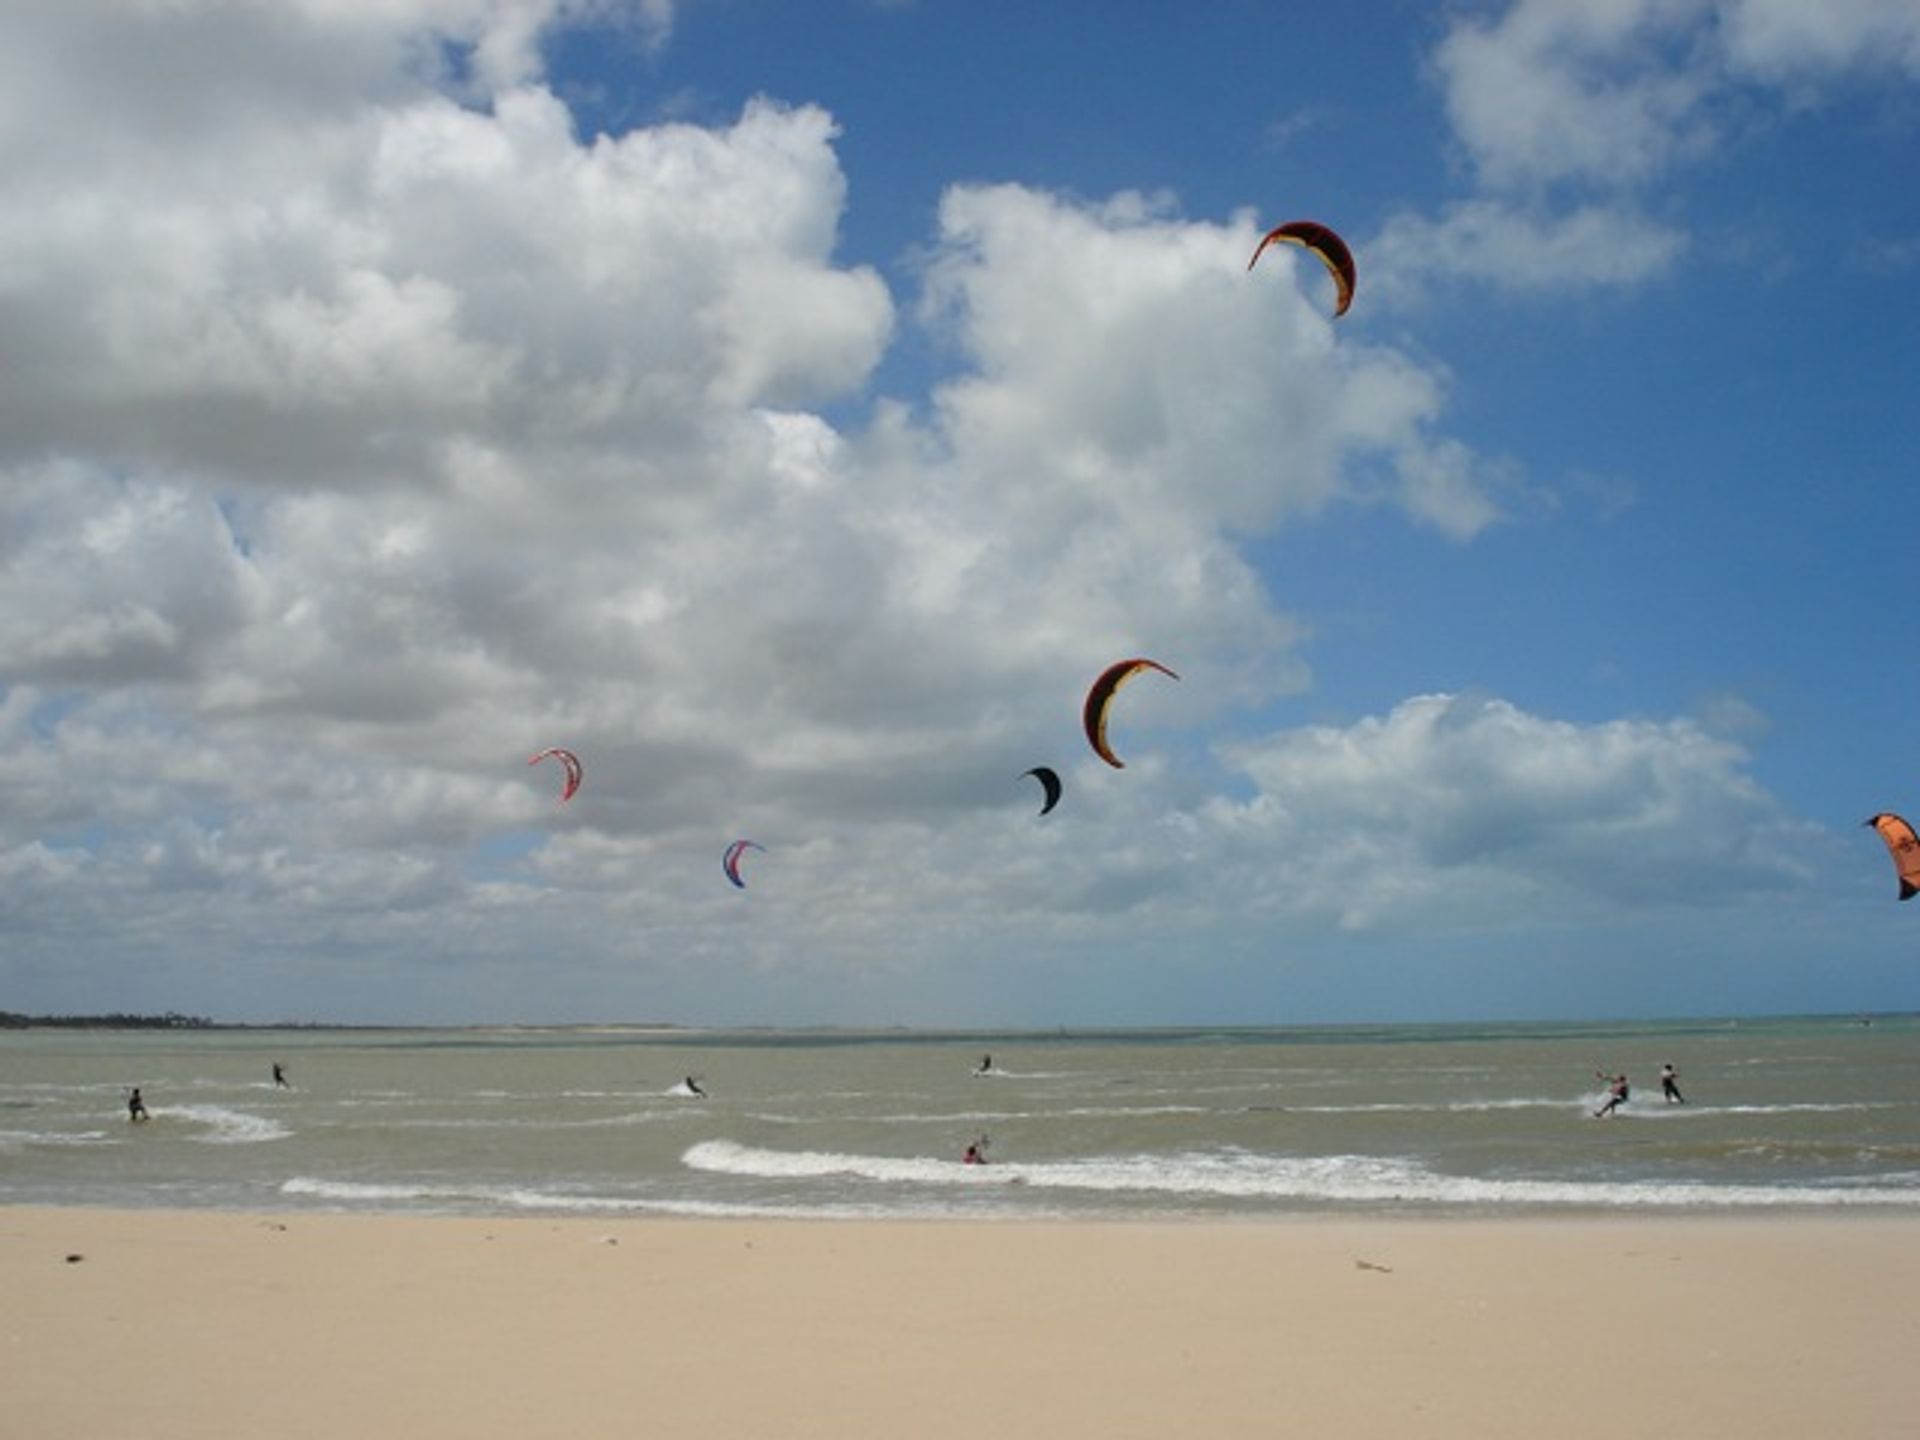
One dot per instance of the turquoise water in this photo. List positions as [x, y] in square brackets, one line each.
[1818, 1113]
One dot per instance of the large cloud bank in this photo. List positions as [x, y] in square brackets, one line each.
[367, 428]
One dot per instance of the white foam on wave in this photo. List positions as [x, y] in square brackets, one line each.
[224, 1126]
[1243, 1175]
[1424, 1107]
[510, 1199]
[974, 1115]
[1655, 1108]
[501, 1197]
[724, 1157]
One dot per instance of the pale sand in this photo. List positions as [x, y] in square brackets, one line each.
[359, 1328]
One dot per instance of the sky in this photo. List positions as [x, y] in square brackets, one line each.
[791, 409]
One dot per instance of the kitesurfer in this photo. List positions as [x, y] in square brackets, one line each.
[693, 1087]
[986, 1064]
[280, 1076]
[1616, 1093]
[136, 1107]
[1670, 1085]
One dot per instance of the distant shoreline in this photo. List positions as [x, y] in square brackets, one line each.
[197, 1024]
[175, 1022]
[10, 1020]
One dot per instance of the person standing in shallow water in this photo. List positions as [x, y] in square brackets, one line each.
[136, 1107]
[280, 1076]
[1670, 1085]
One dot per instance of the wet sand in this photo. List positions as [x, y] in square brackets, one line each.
[145, 1325]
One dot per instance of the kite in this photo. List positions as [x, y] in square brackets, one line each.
[568, 759]
[1049, 782]
[1094, 715]
[1904, 847]
[731, 862]
[1332, 250]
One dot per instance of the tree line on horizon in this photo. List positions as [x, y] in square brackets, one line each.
[171, 1020]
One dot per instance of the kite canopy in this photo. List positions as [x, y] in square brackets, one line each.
[1094, 714]
[1904, 847]
[731, 861]
[572, 763]
[1049, 782]
[1332, 250]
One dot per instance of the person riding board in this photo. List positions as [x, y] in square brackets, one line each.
[1616, 1093]
[1670, 1085]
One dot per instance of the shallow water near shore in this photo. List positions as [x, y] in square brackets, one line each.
[1820, 1113]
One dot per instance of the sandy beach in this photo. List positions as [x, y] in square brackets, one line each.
[155, 1324]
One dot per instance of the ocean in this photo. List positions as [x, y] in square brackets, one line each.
[1816, 1113]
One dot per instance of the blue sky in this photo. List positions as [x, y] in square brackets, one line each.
[791, 408]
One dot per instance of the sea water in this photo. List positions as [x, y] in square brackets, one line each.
[1807, 1113]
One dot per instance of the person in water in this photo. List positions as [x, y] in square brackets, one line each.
[1616, 1094]
[280, 1076]
[976, 1153]
[1670, 1085]
[136, 1107]
[986, 1064]
[693, 1087]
